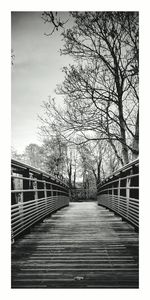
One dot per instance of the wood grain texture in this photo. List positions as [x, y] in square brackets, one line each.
[80, 246]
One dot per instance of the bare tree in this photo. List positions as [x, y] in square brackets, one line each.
[54, 19]
[101, 89]
[33, 155]
[92, 156]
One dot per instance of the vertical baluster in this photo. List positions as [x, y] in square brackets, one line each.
[13, 195]
[127, 194]
[51, 190]
[118, 195]
[113, 197]
[26, 185]
[45, 193]
[57, 197]
[52, 198]
[31, 193]
[35, 193]
[40, 186]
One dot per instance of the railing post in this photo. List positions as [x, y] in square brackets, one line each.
[40, 186]
[45, 190]
[111, 196]
[35, 193]
[51, 188]
[45, 193]
[26, 185]
[119, 194]
[127, 194]
[13, 196]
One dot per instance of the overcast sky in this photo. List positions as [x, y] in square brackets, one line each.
[36, 71]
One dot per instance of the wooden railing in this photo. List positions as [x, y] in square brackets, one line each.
[120, 192]
[34, 195]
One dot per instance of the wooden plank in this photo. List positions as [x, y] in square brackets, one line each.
[81, 246]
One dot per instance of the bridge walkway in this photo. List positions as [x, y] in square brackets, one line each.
[80, 246]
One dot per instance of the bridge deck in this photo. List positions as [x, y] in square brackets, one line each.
[81, 246]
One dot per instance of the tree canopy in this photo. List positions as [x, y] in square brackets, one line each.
[100, 89]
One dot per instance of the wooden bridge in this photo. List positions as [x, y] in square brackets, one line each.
[81, 245]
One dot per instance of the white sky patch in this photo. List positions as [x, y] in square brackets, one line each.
[36, 71]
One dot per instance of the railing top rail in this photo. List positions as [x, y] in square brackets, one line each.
[122, 169]
[17, 163]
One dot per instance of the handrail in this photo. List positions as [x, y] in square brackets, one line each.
[120, 192]
[122, 169]
[18, 163]
[34, 195]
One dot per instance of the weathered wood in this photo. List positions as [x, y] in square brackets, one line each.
[81, 246]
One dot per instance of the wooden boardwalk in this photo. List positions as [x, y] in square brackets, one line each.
[81, 246]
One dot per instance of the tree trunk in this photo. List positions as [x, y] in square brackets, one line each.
[136, 139]
[84, 185]
[94, 175]
[99, 171]
[87, 188]
[115, 151]
[74, 179]
[119, 87]
[122, 132]
[70, 177]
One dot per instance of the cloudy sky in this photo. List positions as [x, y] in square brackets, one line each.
[36, 71]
